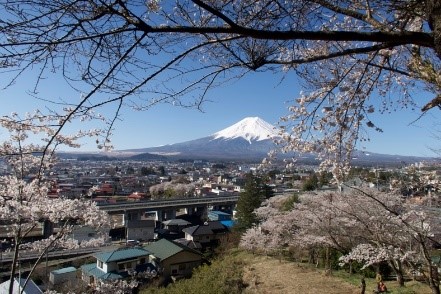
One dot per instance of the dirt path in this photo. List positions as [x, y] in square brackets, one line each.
[267, 275]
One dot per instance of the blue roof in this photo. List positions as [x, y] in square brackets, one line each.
[227, 223]
[121, 254]
[218, 212]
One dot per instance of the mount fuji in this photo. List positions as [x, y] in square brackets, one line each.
[250, 138]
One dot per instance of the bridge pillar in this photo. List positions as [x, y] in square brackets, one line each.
[189, 210]
[131, 215]
[159, 215]
[170, 214]
[203, 211]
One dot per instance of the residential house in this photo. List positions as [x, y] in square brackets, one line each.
[207, 234]
[173, 259]
[140, 229]
[116, 264]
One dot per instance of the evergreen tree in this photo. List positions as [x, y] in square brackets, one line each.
[249, 200]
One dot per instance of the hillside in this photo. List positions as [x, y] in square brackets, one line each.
[242, 272]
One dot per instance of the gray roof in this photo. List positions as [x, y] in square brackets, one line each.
[176, 222]
[209, 228]
[164, 249]
[121, 254]
[31, 287]
[189, 243]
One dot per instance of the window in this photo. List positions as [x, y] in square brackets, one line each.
[142, 260]
[100, 264]
[121, 266]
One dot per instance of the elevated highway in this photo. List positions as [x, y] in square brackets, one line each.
[155, 205]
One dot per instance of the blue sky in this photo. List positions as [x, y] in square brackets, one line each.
[258, 94]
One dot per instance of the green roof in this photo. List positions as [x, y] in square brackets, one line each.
[92, 270]
[164, 249]
[121, 254]
[64, 270]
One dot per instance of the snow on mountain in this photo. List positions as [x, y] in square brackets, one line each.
[250, 129]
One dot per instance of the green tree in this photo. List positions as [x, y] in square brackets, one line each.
[311, 183]
[268, 192]
[161, 170]
[289, 203]
[272, 174]
[146, 171]
[130, 170]
[248, 201]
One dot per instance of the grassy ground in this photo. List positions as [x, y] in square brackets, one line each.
[242, 272]
[269, 275]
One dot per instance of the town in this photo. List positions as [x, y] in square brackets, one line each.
[167, 217]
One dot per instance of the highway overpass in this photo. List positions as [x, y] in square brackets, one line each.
[153, 205]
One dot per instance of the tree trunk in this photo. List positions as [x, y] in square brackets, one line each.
[15, 261]
[327, 262]
[435, 290]
[433, 10]
[397, 267]
[400, 279]
[363, 286]
[434, 280]
[399, 273]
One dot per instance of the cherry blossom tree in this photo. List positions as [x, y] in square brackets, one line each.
[349, 54]
[172, 189]
[366, 226]
[24, 202]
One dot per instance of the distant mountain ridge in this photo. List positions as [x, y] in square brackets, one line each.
[252, 138]
[249, 139]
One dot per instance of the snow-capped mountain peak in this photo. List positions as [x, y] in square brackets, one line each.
[250, 128]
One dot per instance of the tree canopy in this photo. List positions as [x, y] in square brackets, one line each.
[356, 58]
[249, 200]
